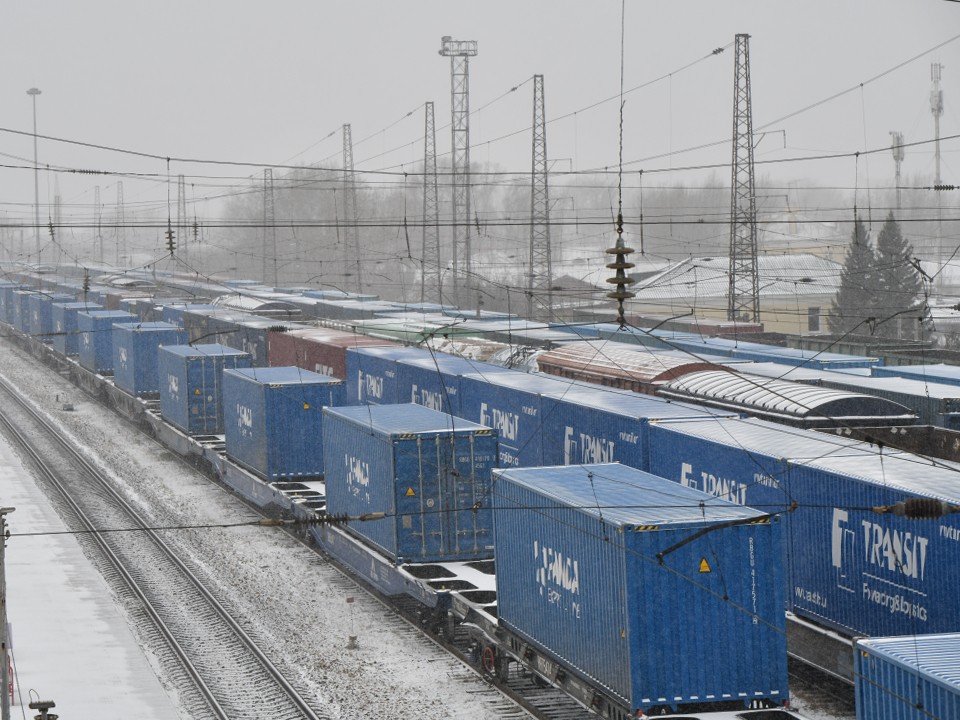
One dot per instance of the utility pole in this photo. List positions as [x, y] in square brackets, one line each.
[97, 222]
[896, 145]
[269, 226]
[744, 295]
[182, 218]
[33, 92]
[541, 264]
[430, 289]
[351, 248]
[4, 639]
[121, 229]
[460, 52]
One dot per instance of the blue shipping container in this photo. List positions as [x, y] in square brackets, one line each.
[191, 381]
[41, 314]
[96, 337]
[66, 337]
[272, 419]
[135, 352]
[21, 310]
[908, 678]
[579, 576]
[372, 373]
[434, 381]
[850, 568]
[510, 402]
[598, 425]
[428, 471]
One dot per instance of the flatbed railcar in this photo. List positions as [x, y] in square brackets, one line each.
[207, 452]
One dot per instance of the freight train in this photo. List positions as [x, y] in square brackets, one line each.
[857, 560]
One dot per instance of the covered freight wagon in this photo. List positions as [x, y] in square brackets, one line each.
[429, 472]
[273, 420]
[652, 591]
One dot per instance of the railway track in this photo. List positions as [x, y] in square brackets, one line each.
[216, 666]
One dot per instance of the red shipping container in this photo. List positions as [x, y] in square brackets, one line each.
[320, 350]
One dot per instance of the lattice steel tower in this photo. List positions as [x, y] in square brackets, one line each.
[896, 145]
[541, 264]
[269, 237]
[351, 248]
[936, 107]
[744, 295]
[460, 52]
[430, 290]
[97, 224]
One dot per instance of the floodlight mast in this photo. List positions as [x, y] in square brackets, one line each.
[460, 52]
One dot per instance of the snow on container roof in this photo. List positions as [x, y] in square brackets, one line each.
[624, 496]
[936, 656]
[404, 419]
[784, 400]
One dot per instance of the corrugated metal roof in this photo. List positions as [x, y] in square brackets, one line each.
[624, 496]
[754, 393]
[710, 277]
[934, 656]
[630, 362]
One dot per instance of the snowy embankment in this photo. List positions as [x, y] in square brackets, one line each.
[293, 601]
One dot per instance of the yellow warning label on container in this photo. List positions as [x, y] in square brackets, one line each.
[410, 492]
[704, 566]
[623, 634]
[306, 406]
[197, 391]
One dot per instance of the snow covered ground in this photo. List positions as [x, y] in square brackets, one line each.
[71, 643]
[70, 638]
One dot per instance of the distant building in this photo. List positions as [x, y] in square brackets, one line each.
[795, 291]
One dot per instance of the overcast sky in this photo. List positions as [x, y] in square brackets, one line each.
[254, 82]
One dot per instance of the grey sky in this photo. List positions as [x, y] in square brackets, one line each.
[234, 80]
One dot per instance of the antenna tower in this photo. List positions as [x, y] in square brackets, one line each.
[351, 248]
[460, 52]
[541, 266]
[744, 295]
[269, 226]
[430, 289]
[896, 145]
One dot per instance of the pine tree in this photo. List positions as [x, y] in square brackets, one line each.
[857, 296]
[899, 286]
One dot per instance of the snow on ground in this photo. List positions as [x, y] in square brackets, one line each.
[297, 604]
[71, 643]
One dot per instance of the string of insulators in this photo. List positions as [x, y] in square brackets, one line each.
[171, 244]
[621, 280]
[919, 508]
[326, 519]
[50, 230]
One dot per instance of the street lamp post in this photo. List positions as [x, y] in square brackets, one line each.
[33, 92]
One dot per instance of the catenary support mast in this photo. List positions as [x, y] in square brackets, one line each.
[351, 255]
[460, 52]
[430, 288]
[539, 291]
[744, 295]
